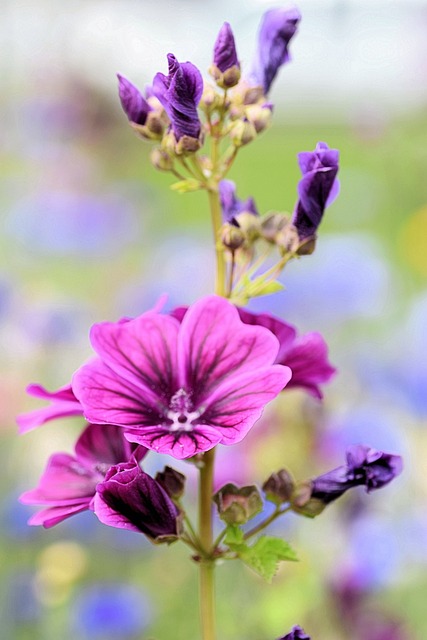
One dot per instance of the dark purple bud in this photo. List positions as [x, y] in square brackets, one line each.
[317, 189]
[130, 499]
[180, 92]
[231, 206]
[365, 466]
[133, 102]
[172, 481]
[237, 505]
[226, 67]
[277, 28]
[278, 487]
[225, 55]
[296, 634]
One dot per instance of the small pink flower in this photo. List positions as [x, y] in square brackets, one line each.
[181, 388]
[68, 484]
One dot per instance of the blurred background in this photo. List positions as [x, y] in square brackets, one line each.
[91, 232]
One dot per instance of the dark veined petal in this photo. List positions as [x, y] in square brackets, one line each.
[130, 499]
[215, 344]
[141, 351]
[235, 406]
[179, 444]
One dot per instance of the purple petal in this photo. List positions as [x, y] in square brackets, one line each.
[297, 633]
[108, 398]
[214, 344]
[130, 499]
[179, 444]
[141, 351]
[133, 102]
[104, 444]
[316, 189]
[180, 93]
[64, 403]
[236, 405]
[225, 55]
[64, 481]
[54, 515]
[308, 360]
[284, 332]
[277, 28]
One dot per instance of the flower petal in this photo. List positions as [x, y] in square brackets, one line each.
[108, 398]
[64, 403]
[237, 404]
[179, 444]
[214, 344]
[105, 444]
[141, 351]
[54, 515]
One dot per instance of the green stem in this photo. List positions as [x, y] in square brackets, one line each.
[262, 525]
[216, 215]
[207, 564]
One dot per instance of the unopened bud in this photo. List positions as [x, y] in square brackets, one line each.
[303, 503]
[259, 115]
[237, 505]
[186, 145]
[172, 481]
[161, 159]
[210, 98]
[279, 487]
[232, 237]
[249, 224]
[307, 247]
[253, 95]
[242, 133]
[287, 239]
[227, 79]
[271, 224]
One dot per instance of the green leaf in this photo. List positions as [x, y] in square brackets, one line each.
[184, 186]
[266, 554]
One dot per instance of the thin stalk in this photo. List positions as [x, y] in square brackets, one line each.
[207, 565]
[231, 274]
[262, 525]
[216, 215]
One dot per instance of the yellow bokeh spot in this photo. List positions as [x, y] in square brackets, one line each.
[413, 241]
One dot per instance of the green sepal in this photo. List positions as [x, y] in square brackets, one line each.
[185, 186]
[234, 536]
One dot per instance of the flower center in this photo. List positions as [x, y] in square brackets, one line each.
[180, 412]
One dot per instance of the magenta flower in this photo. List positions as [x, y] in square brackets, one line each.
[306, 355]
[182, 388]
[277, 28]
[180, 92]
[365, 466]
[130, 499]
[317, 189]
[63, 403]
[68, 484]
[133, 102]
[296, 634]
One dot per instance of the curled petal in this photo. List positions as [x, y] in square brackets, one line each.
[225, 55]
[130, 499]
[133, 102]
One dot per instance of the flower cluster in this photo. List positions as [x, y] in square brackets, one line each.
[184, 382]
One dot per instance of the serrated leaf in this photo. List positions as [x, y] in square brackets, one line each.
[184, 186]
[266, 554]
